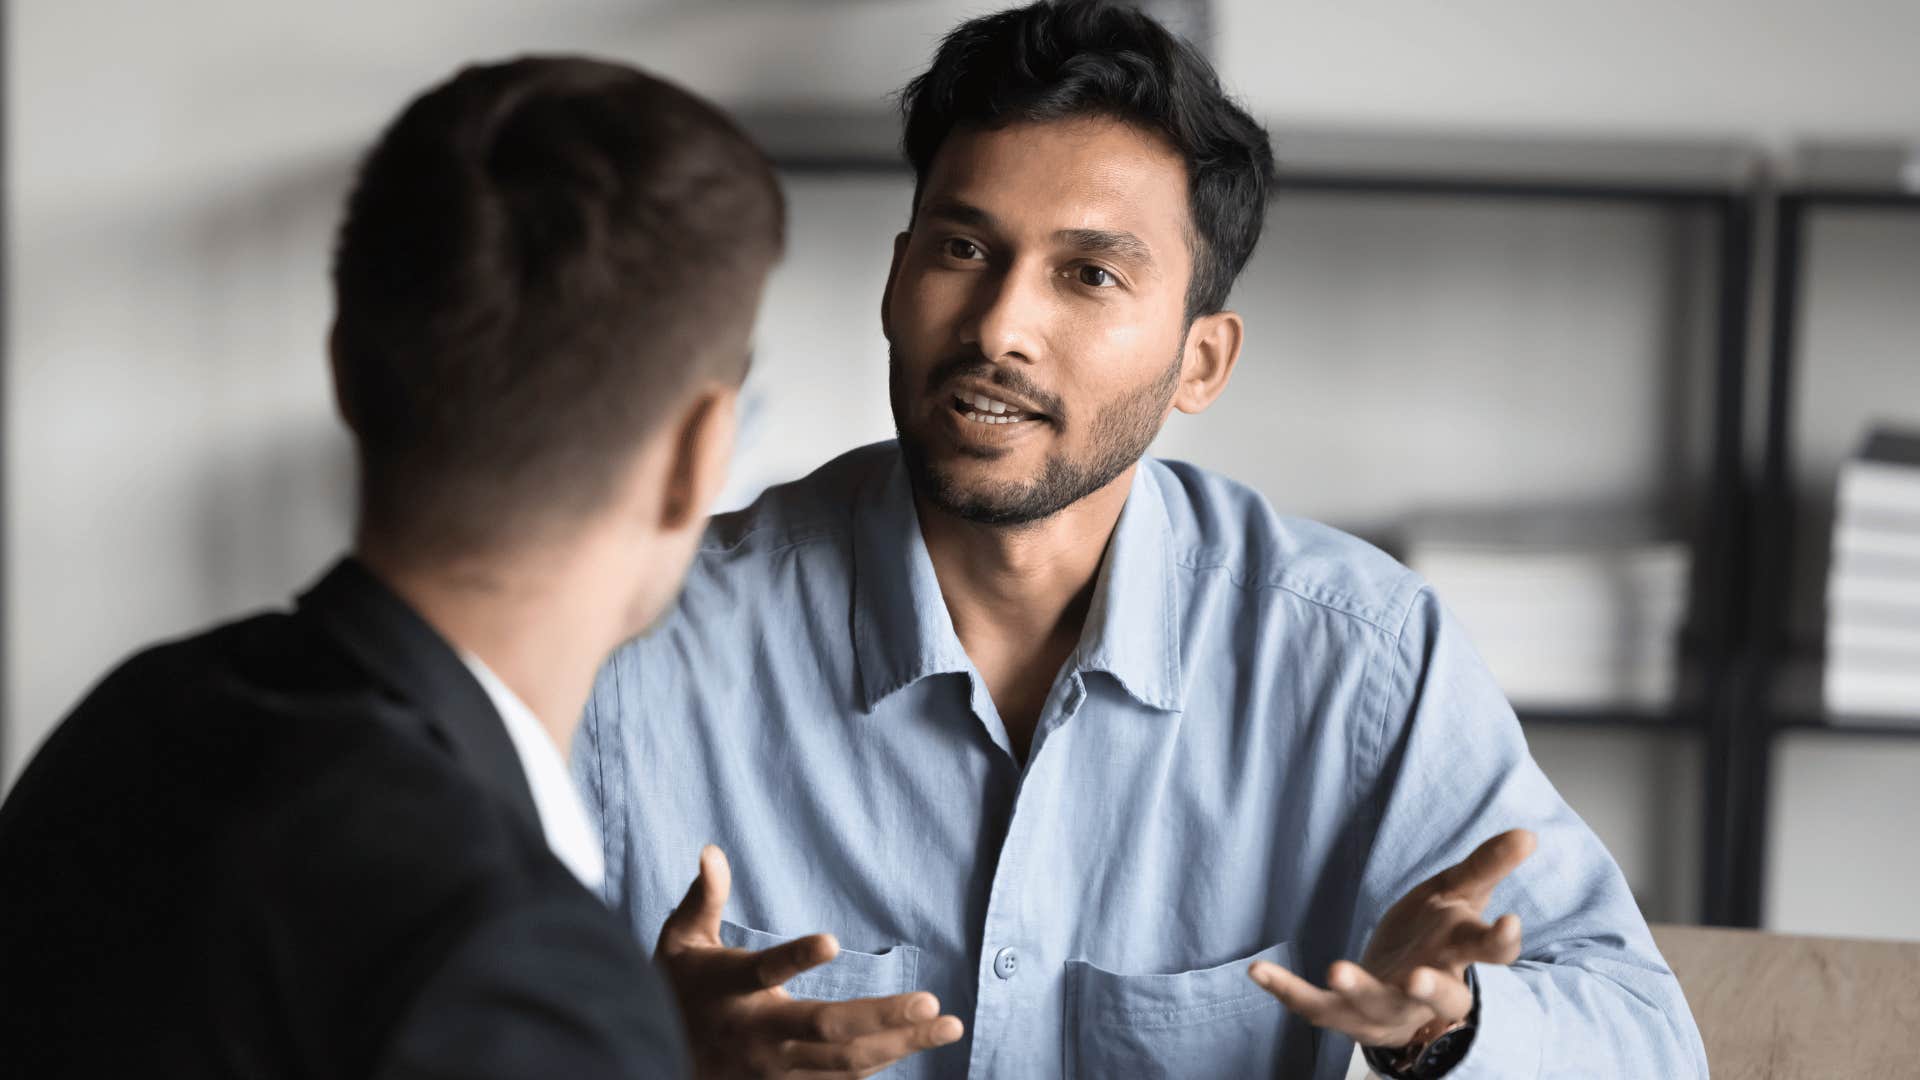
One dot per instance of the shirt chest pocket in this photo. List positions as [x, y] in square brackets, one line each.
[850, 975]
[1209, 1022]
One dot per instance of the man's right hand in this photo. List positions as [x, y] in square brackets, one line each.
[743, 1023]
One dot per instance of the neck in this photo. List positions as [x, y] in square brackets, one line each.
[534, 619]
[1024, 587]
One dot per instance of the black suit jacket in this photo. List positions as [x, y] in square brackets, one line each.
[301, 845]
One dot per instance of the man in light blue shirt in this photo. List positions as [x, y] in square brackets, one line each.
[1102, 752]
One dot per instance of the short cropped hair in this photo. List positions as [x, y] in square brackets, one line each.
[1075, 58]
[534, 262]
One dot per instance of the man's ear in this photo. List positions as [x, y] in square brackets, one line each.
[702, 452]
[342, 400]
[893, 271]
[1213, 347]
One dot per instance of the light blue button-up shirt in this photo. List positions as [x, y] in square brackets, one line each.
[1269, 732]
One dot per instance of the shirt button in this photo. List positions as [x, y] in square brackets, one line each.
[1006, 962]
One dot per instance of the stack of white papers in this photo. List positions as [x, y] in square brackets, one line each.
[1569, 608]
[1873, 588]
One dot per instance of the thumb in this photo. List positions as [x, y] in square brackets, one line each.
[697, 920]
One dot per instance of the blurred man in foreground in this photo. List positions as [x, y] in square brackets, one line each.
[341, 840]
[1080, 741]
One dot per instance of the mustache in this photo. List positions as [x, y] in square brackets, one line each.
[968, 365]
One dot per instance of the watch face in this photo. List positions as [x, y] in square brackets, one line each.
[1444, 1053]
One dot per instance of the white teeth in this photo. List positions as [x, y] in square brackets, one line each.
[985, 404]
[979, 417]
[982, 409]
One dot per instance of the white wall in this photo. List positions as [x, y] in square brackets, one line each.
[1763, 69]
[175, 173]
[176, 169]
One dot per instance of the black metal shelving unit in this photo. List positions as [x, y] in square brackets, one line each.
[1714, 178]
[1779, 687]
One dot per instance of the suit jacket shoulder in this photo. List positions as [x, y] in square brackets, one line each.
[245, 854]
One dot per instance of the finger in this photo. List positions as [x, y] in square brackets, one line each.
[1319, 1007]
[1472, 941]
[1496, 944]
[1448, 997]
[715, 970]
[1475, 876]
[769, 968]
[1384, 1005]
[697, 920]
[871, 1053]
[841, 1021]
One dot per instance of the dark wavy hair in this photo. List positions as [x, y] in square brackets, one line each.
[1075, 58]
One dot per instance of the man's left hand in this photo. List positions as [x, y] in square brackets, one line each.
[1412, 982]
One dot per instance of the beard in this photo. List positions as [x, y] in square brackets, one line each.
[1118, 437]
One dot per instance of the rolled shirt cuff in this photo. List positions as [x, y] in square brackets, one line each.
[1509, 1038]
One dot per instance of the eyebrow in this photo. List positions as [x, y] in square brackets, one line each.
[1114, 244]
[960, 213]
[1111, 243]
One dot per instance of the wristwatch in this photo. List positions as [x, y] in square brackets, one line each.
[1431, 1058]
[1428, 1061]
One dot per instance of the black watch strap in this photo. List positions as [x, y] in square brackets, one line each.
[1439, 1057]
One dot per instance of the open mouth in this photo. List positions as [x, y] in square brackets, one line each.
[982, 409]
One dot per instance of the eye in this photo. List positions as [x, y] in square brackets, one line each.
[964, 250]
[1097, 276]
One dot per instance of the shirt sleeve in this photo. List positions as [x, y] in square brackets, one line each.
[1590, 994]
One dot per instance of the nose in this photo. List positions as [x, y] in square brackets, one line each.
[1009, 311]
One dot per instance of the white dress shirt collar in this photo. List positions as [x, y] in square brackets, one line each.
[563, 817]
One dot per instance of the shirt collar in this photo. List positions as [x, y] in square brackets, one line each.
[903, 633]
[1133, 632]
[563, 817]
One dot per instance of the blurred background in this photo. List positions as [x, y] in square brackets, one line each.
[1585, 310]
